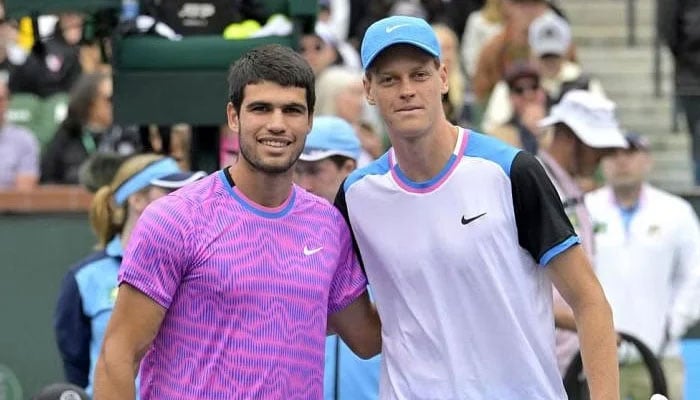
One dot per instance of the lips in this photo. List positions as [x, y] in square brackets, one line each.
[275, 142]
[408, 109]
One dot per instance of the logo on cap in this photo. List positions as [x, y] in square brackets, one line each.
[390, 29]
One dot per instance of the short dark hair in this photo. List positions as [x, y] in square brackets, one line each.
[273, 63]
[340, 161]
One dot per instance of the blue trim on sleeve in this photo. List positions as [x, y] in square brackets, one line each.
[379, 166]
[491, 149]
[558, 249]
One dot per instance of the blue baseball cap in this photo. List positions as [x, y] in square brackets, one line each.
[331, 136]
[398, 29]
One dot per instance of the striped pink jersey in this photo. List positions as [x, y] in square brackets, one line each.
[247, 291]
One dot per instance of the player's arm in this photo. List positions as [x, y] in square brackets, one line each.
[573, 276]
[564, 318]
[546, 233]
[359, 327]
[132, 327]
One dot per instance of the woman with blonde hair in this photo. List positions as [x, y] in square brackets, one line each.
[340, 93]
[89, 289]
[455, 74]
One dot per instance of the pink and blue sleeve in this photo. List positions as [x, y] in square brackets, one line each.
[349, 281]
[157, 255]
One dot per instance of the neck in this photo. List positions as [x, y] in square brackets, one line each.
[422, 158]
[268, 190]
[564, 155]
[127, 229]
[627, 195]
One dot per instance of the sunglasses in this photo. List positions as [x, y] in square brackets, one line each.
[316, 48]
[521, 89]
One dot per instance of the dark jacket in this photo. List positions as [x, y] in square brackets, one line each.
[678, 23]
[67, 151]
[52, 67]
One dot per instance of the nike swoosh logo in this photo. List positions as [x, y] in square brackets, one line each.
[472, 219]
[310, 252]
[390, 29]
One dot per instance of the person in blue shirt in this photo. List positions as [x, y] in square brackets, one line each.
[331, 152]
[89, 289]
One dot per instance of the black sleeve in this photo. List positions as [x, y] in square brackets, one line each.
[73, 334]
[342, 206]
[539, 215]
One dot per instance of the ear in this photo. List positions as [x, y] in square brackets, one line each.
[349, 166]
[137, 202]
[232, 117]
[367, 85]
[444, 84]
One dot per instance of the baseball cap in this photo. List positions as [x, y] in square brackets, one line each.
[397, 29]
[590, 116]
[177, 180]
[549, 34]
[61, 391]
[331, 136]
[637, 142]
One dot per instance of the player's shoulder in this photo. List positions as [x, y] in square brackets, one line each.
[380, 166]
[497, 151]
[189, 198]
[307, 202]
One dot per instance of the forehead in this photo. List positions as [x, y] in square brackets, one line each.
[401, 56]
[273, 93]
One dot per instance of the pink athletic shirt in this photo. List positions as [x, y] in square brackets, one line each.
[247, 290]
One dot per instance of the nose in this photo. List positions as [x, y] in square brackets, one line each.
[406, 90]
[276, 122]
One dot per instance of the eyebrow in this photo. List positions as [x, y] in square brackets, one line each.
[270, 104]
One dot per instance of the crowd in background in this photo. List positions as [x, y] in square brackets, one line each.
[510, 65]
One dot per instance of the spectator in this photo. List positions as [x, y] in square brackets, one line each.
[11, 53]
[456, 84]
[322, 49]
[647, 241]
[529, 103]
[88, 290]
[53, 66]
[679, 27]
[99, 169]
[340, 93]
[482, 25]
[19, 151]
[86, 129]
[330, 154]
[508, 46]
[549, 38]
[584, 130]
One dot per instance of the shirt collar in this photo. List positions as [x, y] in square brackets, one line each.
[114, 247]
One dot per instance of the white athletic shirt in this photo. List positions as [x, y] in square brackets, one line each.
[466, 310]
